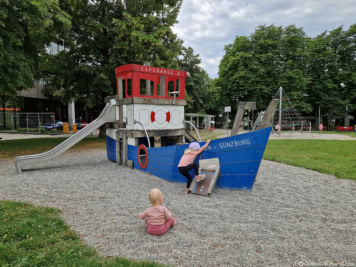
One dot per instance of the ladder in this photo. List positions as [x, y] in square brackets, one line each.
[211, 169]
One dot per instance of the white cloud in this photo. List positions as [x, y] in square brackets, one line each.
[207, 26]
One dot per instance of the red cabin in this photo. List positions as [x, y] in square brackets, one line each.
[150, 82]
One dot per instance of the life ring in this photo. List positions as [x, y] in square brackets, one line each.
[142, 147]
[160, 116]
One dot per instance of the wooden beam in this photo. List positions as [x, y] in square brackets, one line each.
[250, 106]
[238, 118]
[157, 141]
[267, 120]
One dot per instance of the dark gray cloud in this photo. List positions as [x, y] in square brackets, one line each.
[207, 26]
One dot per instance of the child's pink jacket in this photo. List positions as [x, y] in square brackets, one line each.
[156, 215]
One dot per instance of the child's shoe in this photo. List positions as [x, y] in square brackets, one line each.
[200, 177]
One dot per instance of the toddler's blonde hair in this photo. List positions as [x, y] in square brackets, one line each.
[155, 196]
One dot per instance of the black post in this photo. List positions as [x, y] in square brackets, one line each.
[4, 105]
[15, 119]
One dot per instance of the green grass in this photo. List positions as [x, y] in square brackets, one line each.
[37, 236]
[336, 157]
[14, 148]
[205, 135]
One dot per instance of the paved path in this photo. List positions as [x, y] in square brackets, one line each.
[8, 136]
[306, 135]
[296, 135]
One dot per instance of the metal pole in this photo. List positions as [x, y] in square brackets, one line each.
[148, 139]
[15, 118]
[280, 106]
[227, 126]
[191, 124]
[319, 119]
[12, 122]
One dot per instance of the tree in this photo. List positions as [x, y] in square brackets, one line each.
[26, 29]
[107, 34]
[253, 68]
[200, 92]
[332, 72]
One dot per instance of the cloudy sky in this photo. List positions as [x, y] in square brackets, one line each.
[208, 25]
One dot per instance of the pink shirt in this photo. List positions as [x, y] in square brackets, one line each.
[188, 158]
[156, 215]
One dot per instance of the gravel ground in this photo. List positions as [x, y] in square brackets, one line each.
[292, 217]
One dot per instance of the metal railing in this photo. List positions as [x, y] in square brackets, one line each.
[27, 122]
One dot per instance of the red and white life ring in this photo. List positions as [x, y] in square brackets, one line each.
[160, 116]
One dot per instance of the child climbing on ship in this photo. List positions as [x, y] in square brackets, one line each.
[158, 218]
[187, 163]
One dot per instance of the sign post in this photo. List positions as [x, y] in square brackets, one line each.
[227, 110]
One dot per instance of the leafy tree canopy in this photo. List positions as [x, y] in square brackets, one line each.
[26, 29]
[314, 72]
[254, 67]
[107, 34]
[201, 95]
[332, 72]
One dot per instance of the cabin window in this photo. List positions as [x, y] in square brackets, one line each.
[173, 86]
[146, 87]
[158, 89]
[178, 87]
[129, 87]
[124, 86]
[170, 88]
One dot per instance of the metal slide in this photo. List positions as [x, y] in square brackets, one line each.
[107, 115]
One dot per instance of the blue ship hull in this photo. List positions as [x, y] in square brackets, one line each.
[239, 156]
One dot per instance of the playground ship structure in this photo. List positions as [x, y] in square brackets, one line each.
[146, 131]
[150, 133]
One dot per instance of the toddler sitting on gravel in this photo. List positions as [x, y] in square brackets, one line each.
[158, 218]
